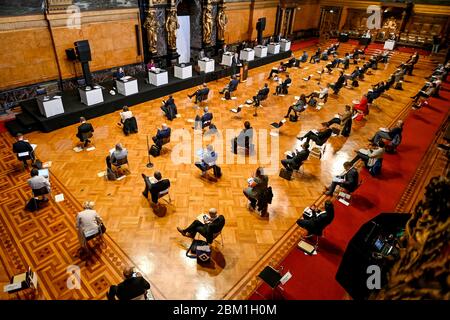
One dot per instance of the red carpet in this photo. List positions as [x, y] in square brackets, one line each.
[300, 44]
[314, 276]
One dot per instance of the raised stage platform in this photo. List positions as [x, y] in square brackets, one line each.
[31, 119]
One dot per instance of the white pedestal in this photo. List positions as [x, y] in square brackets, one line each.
[227, 59]
[261, 51]
[127, 87]
[183, 72]
[389, 44]
[50, 107]
[206, 66]
[91, 97]
[247, 54]
[273, 48]
[285, 45]
[158, 78]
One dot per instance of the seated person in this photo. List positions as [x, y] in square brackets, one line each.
[349, 180]
[362, 106]
[128, 121]
[208, 228]
[387, 134]
[151, 65]
[119, 153]
[200, 93]
[343, 119]
[232, 85]
[256, 186]
[261, 95]
[281, 68]
[155, 186]
[88, 223]
[244, 139]
[318, 136]
[371, 155]
[292, 62]
[204, 120]
[22, 146]
[322, 94]
[282, 88]
[299, 106]
[385, 56]
[341, 81]
[37, 182]
[208, 159]
[332, 64]
[319, 218]
[132, 287]
[316, 56]
[85, 131]
[324, 55]
[161, 134]
[304, 57]
[345, 61]
[295, 161]
[169, 108]
[119, 74]
[430, 91]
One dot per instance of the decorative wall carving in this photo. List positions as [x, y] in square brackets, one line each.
[222, 21]
[207, 22]
[151, 25]
[423, 268]
[171, 28]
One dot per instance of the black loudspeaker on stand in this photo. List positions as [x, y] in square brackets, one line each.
[83, 51]
[260, 26]
[149, 164]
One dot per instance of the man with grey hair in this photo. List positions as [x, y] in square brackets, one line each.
[117, 154]
[161, 134]
[211, 225]
[204, 120]
[200, 94]
[88, 223]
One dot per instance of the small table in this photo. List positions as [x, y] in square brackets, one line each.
[227, 59]
[158, 77]
[206, 65]
[247, 54]
[90, 96]
[127, 86]
[50, 106]
[274, 48]
[285, 45]
[389, 44]
[183, 71]
[260, 51]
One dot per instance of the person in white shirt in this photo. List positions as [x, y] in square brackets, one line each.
[88, 223]
[37, 182]
[125, 114]
[370, 156]
[322, 95]
[208, 159]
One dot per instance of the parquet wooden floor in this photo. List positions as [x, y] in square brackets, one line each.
[152, 242]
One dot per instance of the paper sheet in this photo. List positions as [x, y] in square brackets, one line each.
[121, 177]
[77, 149]
[47, 164]
[59, 197]
[101, 174]
[90, 149]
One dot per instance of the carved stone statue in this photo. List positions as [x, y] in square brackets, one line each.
[207, 23]
[151, 24]
[222, 21]
[171, 27]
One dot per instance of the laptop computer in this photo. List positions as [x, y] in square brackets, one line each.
[44, 173]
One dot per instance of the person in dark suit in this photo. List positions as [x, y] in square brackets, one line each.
[232, 85]
[319, 220]
[319, 137]
[162, 133]
[210, 226]
[282, 88]
[257, 185]
[261, 95]
[349, 180]
[295, 161]
[202, 122]
[244, 139]
[339, 83]
[169, 108]
[119, 74]
[236, 65]
[204, 91]
[132, 287]
[23, 146]
[316, 56]
[281, 68]
[85, 131]
[158, 185]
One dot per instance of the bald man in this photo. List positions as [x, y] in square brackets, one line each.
[162, 133]
[210, 226]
